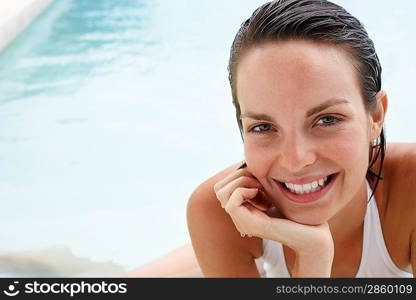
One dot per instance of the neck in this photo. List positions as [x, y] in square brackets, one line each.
[347, 224]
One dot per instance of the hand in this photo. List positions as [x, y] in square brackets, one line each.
[243, 198]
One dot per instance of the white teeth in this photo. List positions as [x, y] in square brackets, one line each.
[307, 188]
[315, 189]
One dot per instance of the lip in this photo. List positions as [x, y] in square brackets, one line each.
[306, 179]
[307, 198]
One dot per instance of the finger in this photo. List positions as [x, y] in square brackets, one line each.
[225, 192]
[248, 219]
[239, 196]
[261, 201]
[231, 177]
[254, 211]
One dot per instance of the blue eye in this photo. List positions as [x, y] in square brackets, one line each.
[329, 121]
[261, 128]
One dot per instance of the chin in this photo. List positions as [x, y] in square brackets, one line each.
[308, 219]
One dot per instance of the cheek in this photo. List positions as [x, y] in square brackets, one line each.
[350, 150]
[259, 159]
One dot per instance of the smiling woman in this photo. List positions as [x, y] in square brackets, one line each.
[297, 82]
[320, 193]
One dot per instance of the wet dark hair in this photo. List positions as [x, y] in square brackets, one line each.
[321, 21]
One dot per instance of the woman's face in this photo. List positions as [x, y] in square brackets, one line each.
[304, 119]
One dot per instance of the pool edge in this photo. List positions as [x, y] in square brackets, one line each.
[17, 16]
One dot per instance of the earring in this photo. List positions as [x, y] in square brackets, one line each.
[375, 142]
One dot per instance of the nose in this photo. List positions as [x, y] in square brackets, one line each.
[296, 153]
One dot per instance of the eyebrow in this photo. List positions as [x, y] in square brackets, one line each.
[310, 112]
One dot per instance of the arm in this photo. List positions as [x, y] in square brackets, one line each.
[216, 219]
[405, 162]
[413, 253]
[180, 262]
[409, 164]
[244, 199]
[219, 248]
[403, 188]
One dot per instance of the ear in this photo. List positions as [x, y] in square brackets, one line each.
[377, 117]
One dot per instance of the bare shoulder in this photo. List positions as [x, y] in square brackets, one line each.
[400, 205]
[402, 199]
[220, 250]
[401, 172]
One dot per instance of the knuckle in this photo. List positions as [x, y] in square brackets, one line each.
[216, 187]
[220, 195]
[227, 208]
[237, 194]
[239, 191]
[247, 180]
[243, 191]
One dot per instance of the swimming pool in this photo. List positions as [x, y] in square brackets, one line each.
[112, 112]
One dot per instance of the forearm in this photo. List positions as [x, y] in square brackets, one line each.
[313, 245]
[179, 263]
[318, 264]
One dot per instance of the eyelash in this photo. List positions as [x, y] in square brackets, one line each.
[337, 120]
[334, 123]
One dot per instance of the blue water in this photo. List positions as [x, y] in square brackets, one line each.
[112, 112]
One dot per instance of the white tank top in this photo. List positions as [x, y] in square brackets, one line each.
[375, 259]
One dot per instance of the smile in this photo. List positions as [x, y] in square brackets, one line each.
[307, 192]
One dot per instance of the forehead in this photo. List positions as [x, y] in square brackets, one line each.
[298, 71]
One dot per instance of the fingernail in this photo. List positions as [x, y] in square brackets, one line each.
[244, 165]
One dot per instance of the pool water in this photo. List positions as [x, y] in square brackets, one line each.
[112, 112]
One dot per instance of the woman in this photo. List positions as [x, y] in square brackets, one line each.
[319, 194]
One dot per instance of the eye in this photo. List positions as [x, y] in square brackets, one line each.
[261, 128]
[329, 121]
